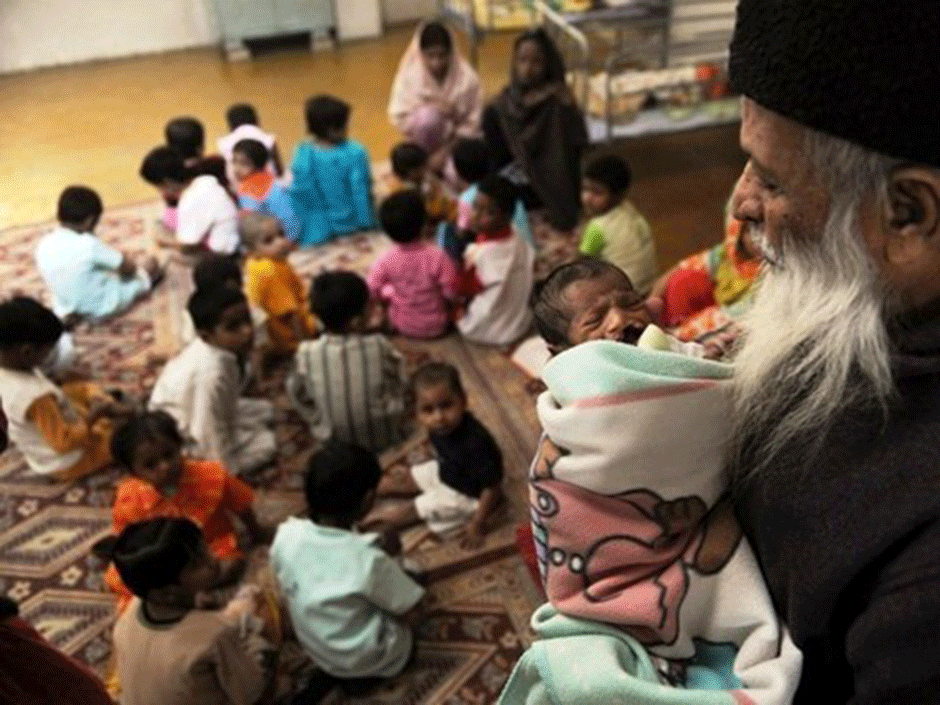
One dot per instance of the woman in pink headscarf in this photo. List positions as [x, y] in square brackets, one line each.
[436, 96]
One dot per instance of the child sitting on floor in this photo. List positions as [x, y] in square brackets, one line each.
[460, 488]
[348, 600]
[169, 650]
[207, 213]
[332, 189]
[63, 432]
[242, 119]
[410, 171]
[347, 384]
[414, 278]
[617, 232]
[187, 137]
[164, 483]
[497, 275]
[257, 189]
[472, 164]
[201, 387]
[88, 278]
[272, 285]
[642, 559]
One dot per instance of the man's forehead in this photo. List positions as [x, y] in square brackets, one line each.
[774, 143]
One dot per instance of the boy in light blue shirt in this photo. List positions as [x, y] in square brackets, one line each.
[87, 277]
[346, 597]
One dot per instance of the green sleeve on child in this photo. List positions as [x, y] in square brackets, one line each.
[593, 241]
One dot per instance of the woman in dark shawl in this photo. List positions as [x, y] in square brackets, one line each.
[536, 131]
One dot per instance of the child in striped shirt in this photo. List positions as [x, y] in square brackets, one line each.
[347, 384]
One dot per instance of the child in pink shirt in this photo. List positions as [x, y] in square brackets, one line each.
[414, 279]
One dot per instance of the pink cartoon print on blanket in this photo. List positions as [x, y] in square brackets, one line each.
[624, 559]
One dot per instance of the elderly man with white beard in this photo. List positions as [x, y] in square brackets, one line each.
[836, 453]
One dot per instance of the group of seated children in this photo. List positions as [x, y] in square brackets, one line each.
[176, 555]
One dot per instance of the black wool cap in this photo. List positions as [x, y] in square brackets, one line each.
[867, 71]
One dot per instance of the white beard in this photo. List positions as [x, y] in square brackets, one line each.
[815, 341]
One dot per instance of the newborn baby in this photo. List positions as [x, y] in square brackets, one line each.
[643, 561]
[591, 299]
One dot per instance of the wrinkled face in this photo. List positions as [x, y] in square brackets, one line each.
[439, 408]
[487, 217]
[242, 166]
[605, 308]
[777, 198]
[271, 242]
[436, 61]
[596, 198]
[234, 331]
[529, 65]
[158, 461]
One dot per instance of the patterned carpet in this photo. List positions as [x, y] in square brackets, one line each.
[481, 601]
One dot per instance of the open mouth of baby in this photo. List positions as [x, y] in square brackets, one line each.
[631, 333]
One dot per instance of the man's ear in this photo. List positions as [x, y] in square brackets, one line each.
[913, 218]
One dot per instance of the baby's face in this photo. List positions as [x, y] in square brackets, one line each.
[605, 308]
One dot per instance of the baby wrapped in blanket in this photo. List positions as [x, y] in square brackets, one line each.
[654, 595]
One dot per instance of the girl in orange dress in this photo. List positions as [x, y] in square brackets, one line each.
[165, 484]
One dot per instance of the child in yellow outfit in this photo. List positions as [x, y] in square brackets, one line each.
[63, 432]
[271, 283]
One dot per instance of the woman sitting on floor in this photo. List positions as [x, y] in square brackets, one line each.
[436, 96]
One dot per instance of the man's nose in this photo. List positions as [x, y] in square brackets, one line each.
[745, 200]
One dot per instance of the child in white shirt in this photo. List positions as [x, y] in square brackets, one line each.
[201, 387]
[63, 432]
[207, 214]
[498, 269]
[242, 120]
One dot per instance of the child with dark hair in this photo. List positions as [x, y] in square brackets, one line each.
[632, 459]
[201, 387]
[415, 279]
[461, 487]
[63, 432]
[206, 213]
[257, 189]
[272, 285]
[88, 278]
[590, 299]
[169, 650]
[332, 188]
[186, 136]
[410, 171]
[242, 119]
[165, 483]
[346, 597]
[472, 164]
[616, 232]
[347, 384]
[497, 274]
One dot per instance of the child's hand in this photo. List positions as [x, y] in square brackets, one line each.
[473, 537]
